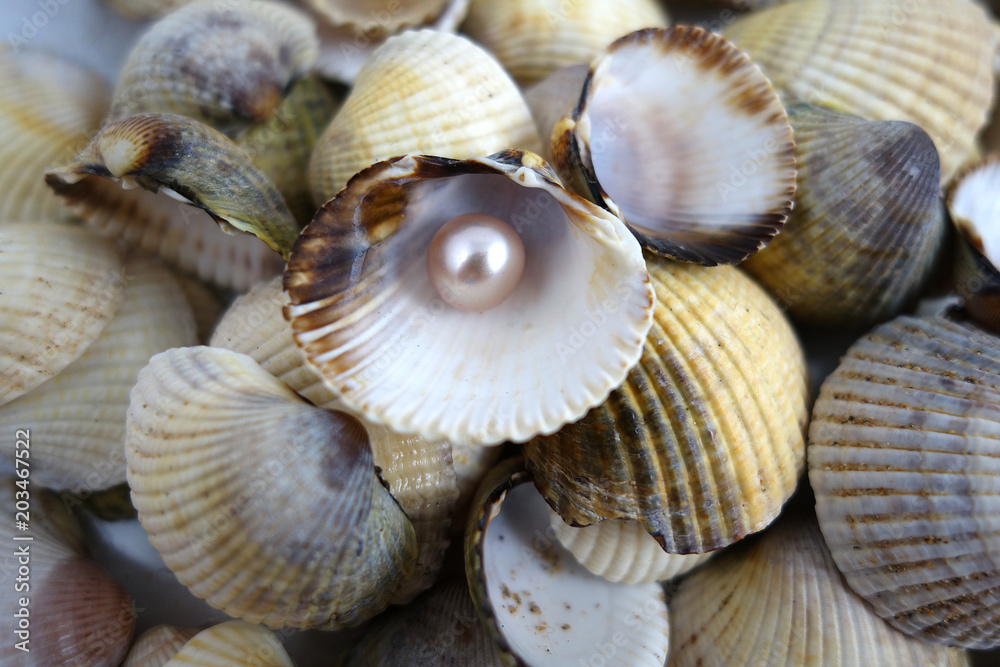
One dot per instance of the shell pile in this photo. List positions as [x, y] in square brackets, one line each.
[463, 332]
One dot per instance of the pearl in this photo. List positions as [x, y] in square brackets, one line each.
[475, 261]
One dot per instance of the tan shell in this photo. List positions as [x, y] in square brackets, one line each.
[157, 645]
[929, 63]
[61, 287]
[170, 153]
[232, 643]
[48, 112]
[420, 473]
[422, 92]
[139, 10]
[704, 441]
[274, 513]
[699, 163]
[417, 365]
[868, 225]
[441, 627]
[903, 458]
[77, 418]
[622, 550]
[378, 16]
[533, 38]
[780, 601]
[78, 615]
[227, 65]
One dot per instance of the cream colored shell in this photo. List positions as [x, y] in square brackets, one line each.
[157, 645]
[232, 643]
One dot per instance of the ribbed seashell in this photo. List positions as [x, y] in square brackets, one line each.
[533, 38]
[204, 303]
[699, 162]
[704, 441]
[903, 458]
[974, 205]
[77, 418]
[929, 63]
[281, 147]
[77, 615]
[422, 92]
[420, 473]
[780, 601]
[232, 643]
[263, 505]
[378, 17]
[49, 110]
[156, 646]
[622, 550]
[396, 353]
[868, 224]
[552, 99]
[225, 64]
[188, 161]
[140, 10]
[542, 607]
[440, 627]
[61, 287]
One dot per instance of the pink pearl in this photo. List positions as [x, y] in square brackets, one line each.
[475, 261]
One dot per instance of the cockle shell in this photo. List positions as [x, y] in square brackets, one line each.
[622, 550]
[188, 161]
[974, 205]
[780, 601]
[225, 64]
[929, 63]
[139, 10]
[699, 162]
[422, 92]
[538, 604]
[419, 473]
[378, 16]
[61, 287]
[868, 224]
[49, 109]
[232, 643]
[704, 442]
[368, 318]
[77, 418]
[440, 627]
[156, 646]
[266, 507]
[78, 615]
[533, 38]
[903, 457]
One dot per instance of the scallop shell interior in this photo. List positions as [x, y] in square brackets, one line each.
[368, 318]
[700, 161]
[974, 204]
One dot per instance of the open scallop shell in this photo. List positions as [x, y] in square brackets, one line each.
[422, 92]
[622, 550]
[49, 109]
[61, 287]
[533, 38]
[232, 643]
[903, 457]
[368, 318]
[868, 224]
[929, 63]
[214, 181]
[780, 601]
[699, 161]
[78, 615]
[552, 99]
[420, 474]
[974, 205]
[439, 628]
[78, 417]
[540, 606]
[263, 505]
[226, 66]
[157, 645]
[704, 442]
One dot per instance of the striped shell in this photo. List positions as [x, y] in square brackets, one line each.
[704, 441]
[157, 645]
[232, 643]
[903, 456]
